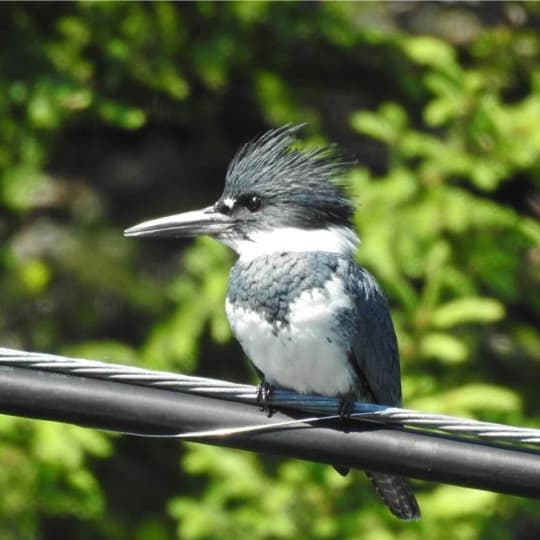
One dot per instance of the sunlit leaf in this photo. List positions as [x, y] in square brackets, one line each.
[444, 347]
[468, 310]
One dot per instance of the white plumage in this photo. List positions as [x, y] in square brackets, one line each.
[306, 355]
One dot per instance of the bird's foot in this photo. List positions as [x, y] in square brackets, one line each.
[346, 406]
[264, 398]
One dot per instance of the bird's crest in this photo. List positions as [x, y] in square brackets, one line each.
[271, 168]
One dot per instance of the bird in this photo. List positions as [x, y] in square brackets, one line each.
[308, 317]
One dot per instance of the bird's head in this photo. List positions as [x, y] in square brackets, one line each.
[276, 198]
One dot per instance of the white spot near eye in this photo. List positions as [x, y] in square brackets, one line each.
[229, 202]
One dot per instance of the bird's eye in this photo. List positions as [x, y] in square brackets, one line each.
[253, 203]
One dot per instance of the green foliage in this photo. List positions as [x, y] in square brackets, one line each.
[199, 295]
[245, 502]
[43, 473]
[441, 104]
[438, 230]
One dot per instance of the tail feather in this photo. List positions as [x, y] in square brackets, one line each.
[397, 493]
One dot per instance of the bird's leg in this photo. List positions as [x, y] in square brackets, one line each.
[264, 397]
[346, 406]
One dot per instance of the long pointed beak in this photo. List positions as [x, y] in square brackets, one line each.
[207, 221]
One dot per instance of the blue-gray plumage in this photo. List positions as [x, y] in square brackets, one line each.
[270, 286]
[308, 317]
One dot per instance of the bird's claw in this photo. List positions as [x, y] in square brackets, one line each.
[346, 406]
[264, 398]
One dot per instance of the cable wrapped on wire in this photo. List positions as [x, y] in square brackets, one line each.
[142, 402]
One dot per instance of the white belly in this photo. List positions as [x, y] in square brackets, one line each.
[306, 355]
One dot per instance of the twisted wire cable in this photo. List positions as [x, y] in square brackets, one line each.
[318, 405]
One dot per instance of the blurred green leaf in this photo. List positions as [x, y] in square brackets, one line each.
[444, 347]
[122, 115]
[106, 351]
[466, 310]
[471, 398]
[35, 276]
[430, 51]
[452, 502]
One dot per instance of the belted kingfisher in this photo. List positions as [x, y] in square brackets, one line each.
[308, 317]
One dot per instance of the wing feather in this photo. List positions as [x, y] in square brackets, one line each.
[374, 346]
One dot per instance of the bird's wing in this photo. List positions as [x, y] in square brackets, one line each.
[374, 347]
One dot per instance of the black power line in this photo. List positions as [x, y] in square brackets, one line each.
[125, 407]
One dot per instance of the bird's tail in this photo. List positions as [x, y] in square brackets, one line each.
[397, 493]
